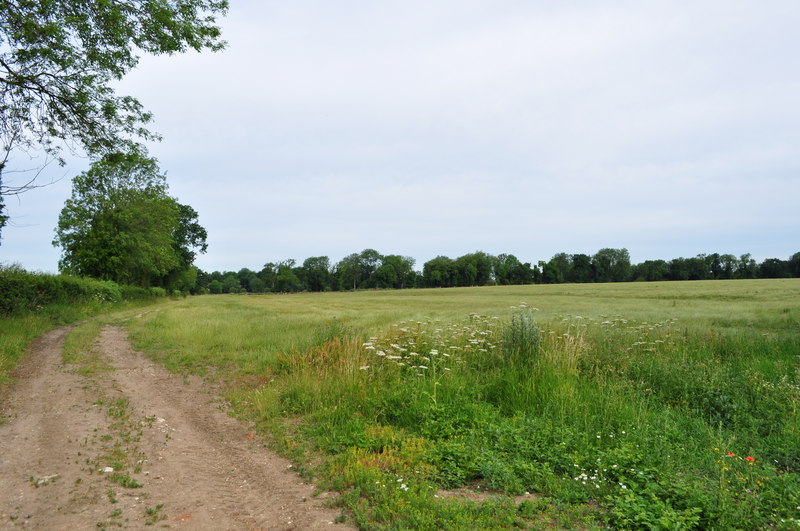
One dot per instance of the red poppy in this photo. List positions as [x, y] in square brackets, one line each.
[748, 458]
[731, 454]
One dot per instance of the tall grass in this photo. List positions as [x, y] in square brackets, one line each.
[615, 406]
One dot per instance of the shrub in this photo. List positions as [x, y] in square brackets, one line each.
[22, 291]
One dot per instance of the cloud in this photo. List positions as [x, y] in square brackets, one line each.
[428, 128]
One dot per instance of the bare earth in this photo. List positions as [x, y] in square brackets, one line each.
[192, 465]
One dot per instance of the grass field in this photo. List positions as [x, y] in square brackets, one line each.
[657, 405]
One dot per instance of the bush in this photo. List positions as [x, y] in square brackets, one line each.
[157, 292]
[22, 291]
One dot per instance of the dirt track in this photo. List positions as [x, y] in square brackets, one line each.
[197, 467]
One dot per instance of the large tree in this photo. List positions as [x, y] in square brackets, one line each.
[60, 58]
[317, 273]
[611, 265]
[120, 224]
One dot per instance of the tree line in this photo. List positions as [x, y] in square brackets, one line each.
[369, 269]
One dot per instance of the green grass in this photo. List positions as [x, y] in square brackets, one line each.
[18, 330]
[654, 406]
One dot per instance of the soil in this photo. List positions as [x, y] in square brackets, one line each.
[181, 461]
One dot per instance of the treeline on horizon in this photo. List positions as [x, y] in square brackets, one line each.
[371, 270]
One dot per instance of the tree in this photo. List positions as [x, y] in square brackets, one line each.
[245, 276]
[580, 269]
[287, 280]
[231, 283]
[257, 285]
[473, 269]
[189, 236]
[678, 269]
[550, 273]
[697, 268]
[348, 271]
[369, 260]
[794, 265]
[728, 264]
[439, 272]
[119, 224]
[558, 268]
[774, 268]
[268, 274]
[60, 58]
[651, 270]
[395, 272]
[215, 287]
[747, 267]
[611, 265]
[317, 273]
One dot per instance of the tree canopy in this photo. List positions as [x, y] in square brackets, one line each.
[370, 269]
[58, 59]
[120, 224]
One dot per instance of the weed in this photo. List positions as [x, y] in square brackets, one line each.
[154, 515]
[124, 480]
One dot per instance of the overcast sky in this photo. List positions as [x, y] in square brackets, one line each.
[670, 128]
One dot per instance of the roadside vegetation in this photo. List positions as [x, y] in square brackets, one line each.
[33, 303]
[626, 405]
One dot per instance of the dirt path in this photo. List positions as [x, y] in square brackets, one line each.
[179, 460]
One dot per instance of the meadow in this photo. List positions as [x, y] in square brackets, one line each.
[638, 405]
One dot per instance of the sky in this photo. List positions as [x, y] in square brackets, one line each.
[423, 128]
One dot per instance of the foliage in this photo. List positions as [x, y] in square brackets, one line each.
[369, 270]
[21, 291]
[119, 224]
[32, 303]
[59, 60]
